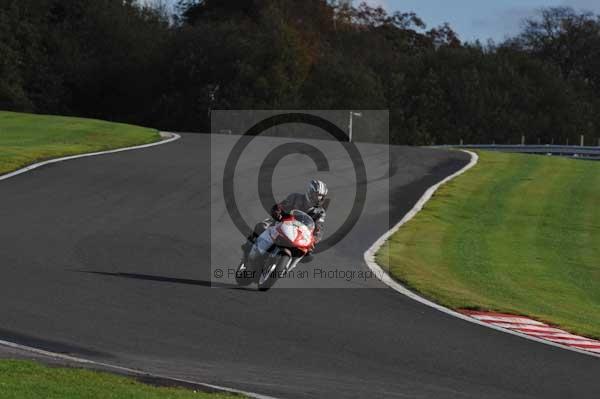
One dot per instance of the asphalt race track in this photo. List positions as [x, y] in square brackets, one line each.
[109, 258]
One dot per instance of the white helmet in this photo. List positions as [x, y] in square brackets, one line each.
[316, 192]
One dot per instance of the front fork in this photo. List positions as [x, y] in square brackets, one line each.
[265, 249]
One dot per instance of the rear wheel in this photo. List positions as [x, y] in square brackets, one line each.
[272, 271]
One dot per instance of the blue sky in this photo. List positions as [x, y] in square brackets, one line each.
[477, 19]
[481, 19]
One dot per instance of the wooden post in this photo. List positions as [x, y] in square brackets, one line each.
[523, 140]
[582, 140]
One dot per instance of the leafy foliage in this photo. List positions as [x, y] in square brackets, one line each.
[130, 61]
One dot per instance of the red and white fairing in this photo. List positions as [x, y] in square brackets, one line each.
[297, 234]
[280, 248]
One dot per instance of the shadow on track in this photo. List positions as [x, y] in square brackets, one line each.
[164, 279]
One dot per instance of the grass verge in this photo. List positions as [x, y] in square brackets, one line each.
[27, 138]
[29, 380]
[517, 234]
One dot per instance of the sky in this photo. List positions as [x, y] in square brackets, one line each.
[480, 19]
[477, 19]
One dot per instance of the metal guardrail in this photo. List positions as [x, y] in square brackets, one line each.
[558, 150]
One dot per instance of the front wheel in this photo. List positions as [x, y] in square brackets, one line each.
[243, 276]
[272, 271]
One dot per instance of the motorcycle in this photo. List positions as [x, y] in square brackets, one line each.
[277, 251]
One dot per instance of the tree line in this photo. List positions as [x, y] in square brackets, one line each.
[140, 63]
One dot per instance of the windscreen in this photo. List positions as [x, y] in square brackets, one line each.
[304, 219]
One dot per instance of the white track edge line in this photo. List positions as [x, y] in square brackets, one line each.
[167, 138]
[369, 257]
[134, 372]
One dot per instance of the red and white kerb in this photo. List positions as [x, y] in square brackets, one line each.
[536, 329]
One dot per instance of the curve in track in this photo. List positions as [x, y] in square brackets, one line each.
[109, 258]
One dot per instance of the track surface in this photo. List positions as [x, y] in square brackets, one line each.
[69, 229]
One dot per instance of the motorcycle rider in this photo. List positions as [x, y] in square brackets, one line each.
[311, 202]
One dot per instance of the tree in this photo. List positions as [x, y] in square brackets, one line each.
[569, 40]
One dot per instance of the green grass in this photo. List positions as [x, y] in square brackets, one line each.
[29, 380]
[27, 138]
[517, 234]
